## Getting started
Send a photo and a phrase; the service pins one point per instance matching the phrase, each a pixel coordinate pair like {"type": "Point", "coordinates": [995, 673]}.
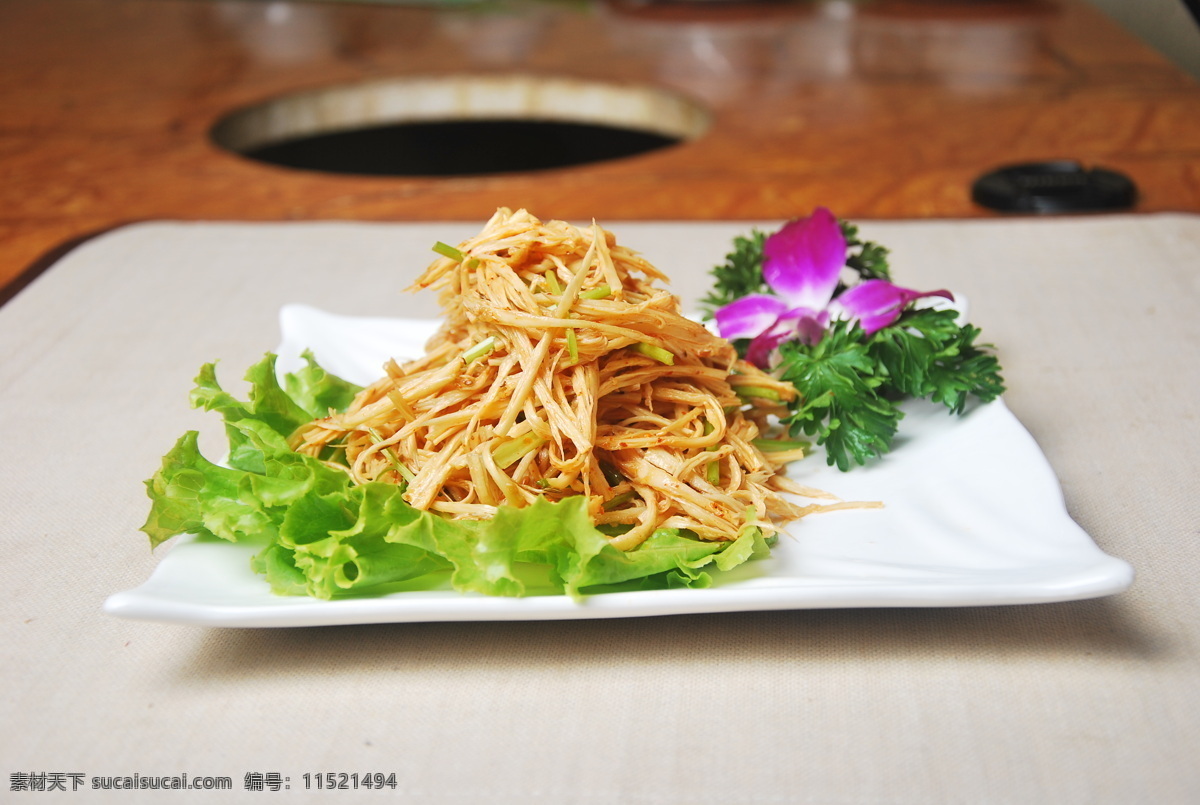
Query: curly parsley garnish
{"type": "Point", "coordinates": [854, 350]}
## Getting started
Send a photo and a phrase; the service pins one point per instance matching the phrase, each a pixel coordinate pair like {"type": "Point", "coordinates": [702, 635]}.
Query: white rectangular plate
{"type": "Point", "coordinates": [973, 515]}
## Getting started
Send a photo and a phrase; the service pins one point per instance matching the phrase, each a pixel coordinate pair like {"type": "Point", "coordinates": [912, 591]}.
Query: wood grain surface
{"type": "Point", "coordinates": [888, 109]}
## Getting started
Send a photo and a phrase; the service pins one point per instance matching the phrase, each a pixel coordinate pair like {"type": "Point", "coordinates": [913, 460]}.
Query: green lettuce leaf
{"type": "Point", "coordinates": [324, 537]}
{"type": "Point", "coordinates": [317, 391]}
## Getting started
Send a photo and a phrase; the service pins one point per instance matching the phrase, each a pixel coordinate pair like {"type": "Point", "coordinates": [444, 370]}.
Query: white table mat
{"type": "Point", "coordinates": [1093, 701]}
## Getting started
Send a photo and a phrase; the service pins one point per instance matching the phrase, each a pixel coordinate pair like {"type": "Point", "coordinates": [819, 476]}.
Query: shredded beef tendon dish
{"type": "Point", "coordinates": [561, 370]}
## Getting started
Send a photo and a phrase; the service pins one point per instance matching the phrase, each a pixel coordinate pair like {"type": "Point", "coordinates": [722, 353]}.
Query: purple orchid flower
{"type": "Point", "coordinates": [802, 263]}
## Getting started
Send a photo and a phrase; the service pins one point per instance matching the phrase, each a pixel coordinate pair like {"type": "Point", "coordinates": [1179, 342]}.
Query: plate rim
{"type": "Point", "coordinates": [1101, 575]}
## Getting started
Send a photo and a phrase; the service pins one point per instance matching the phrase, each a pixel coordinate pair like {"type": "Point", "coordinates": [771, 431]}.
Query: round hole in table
{"type": "Point", "coordinates": [460, 125]}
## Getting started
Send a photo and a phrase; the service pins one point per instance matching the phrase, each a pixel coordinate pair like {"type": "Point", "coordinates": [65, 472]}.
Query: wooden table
{"type": "Point", "coordinates": [878, 110]}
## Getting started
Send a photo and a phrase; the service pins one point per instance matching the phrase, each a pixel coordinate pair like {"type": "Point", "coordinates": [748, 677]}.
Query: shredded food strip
{"type": "Point", "coordinates": [560, 370]}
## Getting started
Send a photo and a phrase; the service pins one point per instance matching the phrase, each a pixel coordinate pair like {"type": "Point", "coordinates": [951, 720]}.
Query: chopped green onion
{"type": "Point", "coordinates": [479, 350]}
{"type": "Point", "coordinates": [611, 474]}
{"type": "Point", "coordinates": [572, 345]}
{"type": "Point", "coordinates": [552, 281]}
{"type": "Point", "coordinates": [393, 459]}
{"type": "Point", "coordinates": [446, 250]}
{"type": "Point", "coordinates": [657, 353]}
{"type": "Point", "coordinates": [511, 451]}
{"type": "Point", "coordinates": [472, 263]}
{"type": "Point", "coordinates": [757, 391]}
{"type": "Point", "coordinates": [599, 292]}
{"type": "Point", "coordinates": [712, 470]}
{"type": "Point", "coordinates": [618, 500]}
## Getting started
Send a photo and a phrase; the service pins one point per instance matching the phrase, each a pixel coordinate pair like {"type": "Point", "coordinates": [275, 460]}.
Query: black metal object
{"type": "Point", "coordinates": [1060, 186]}
{"type": "Point", "coordinates": [1194, 7]}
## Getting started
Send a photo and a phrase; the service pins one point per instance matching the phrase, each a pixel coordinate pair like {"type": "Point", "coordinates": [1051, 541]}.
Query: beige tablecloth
{"type": "Point", "coordinates": [1086, 702]}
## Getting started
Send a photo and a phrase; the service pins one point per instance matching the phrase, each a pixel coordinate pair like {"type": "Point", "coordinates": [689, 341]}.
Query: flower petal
{"type": "Point", "coordinates": [802, 260]}
{"type": "Point", "coordinates": [878, 303]}
{"type": "Point", "coordinates": [805, 326]}
{"type": "Point", "coordinates": [749, 316]}
{"type": "Point", "coordinates": [759, 352]}
{"type": "Point", "coordinates": [810, 328]}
